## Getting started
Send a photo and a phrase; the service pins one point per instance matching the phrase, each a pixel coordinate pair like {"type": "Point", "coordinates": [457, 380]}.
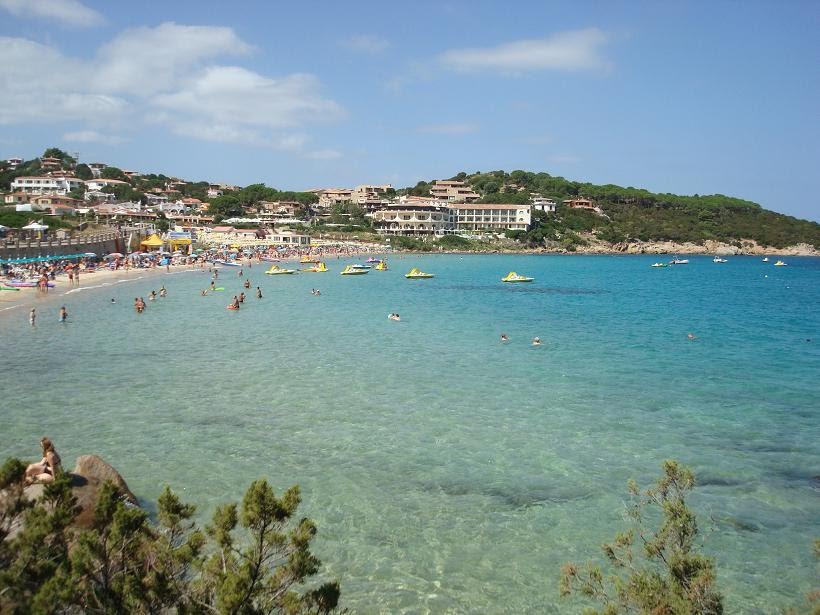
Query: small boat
{"type": "Point", "coordinates": [765, 259]}
{"type": "Point", "coordinates": [679, 261]}
{"type": "Point", "coordinates": [512, 276]}
{"type": "Point", "coordinates": [352, 270]}
{"type": "Point", "coordinates": [373, 259]}
{"type": "Point", "coordinates": [228, 263]}
{"type": "Point", "coordinates": [416, 274]}
{"type": "Point", "coordinates": [318, 268]}
{"type": "Point", "coordinates": [8, 288]}
{"type": "Point", "coordinates": [357, 266]}
{"type": "Point", "coordinates": [381, 266]}
{"type": "Point", "coordinates": [780, 264]}
{"type": "Point", "coordinates": [308, 259]}
{"type": "Point", "coordinates": [659, 265]}
{"type": "Point", "coordinates": [277, 270]}
{"type": "Point", "coordinates": [717, 259]}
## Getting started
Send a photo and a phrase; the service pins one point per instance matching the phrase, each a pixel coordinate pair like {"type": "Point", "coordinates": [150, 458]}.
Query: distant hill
{"type": "Point", "coordinates": [635, 214]}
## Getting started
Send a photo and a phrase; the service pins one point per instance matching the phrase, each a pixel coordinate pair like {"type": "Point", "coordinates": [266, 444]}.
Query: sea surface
{"type": "Point", "coordinates": [447, 471]}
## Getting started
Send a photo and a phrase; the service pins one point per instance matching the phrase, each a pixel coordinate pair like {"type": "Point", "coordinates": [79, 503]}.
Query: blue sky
{"type": "Point", "coordinates": [683, 97]}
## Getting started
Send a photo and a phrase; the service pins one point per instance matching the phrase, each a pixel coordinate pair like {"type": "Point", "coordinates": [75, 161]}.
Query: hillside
{"type": "Point", "coordinates": [634, 214]}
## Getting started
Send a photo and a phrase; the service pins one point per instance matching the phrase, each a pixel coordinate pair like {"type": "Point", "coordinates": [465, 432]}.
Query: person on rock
{"type": "Point", "coordinates": [46, 469]}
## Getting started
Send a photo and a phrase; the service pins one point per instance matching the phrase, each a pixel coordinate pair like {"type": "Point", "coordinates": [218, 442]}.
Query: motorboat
{"type": "Point", "coordinates": [306, 260]}
{"type": "Point", "coordinates": [277, 270]}
{"type": "Point", "coordinates": [358, 266]}
{"type": "Point", "coordinates": [317, 268]}
{"type": "Point", "coordinates": [679, 261]}
{"type": "Point", "coordinates": [227, 263]}
{"type": "Point", "coordinates": [373, 259]}
{"type": "Point", "coordinates": [780, 264]}
{"type": "Point", "coordinates": [381, 266]}
{"type": "Point", "coordinates": [765, 259]}
{"type": "Point", "coordinates": [659, 265]}
{"type": "Point", "coordinates": [717, 259]}
{"type": "Point", "coordinates": [512, 276]}
{"type": "Point", "coordinates": [353, 270]}
{"type": "Point", "coordinates": [416, 274]}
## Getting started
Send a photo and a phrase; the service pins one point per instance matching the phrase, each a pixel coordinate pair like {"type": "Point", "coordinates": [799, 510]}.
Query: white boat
{"type": "Point", "coordinates": [780, 264]}
{"type": "Point", "coordinates": [765, 259]}
{"type": "Point", "coordinates": [717, 259]}
{"type": "Point", "coordinates": [679, 261]}
{"type": "Point", "coordinates": [659, 265]}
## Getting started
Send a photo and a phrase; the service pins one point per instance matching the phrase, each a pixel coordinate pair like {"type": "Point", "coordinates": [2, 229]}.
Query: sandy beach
{"type": "Point", "coordinates": [13, 302]}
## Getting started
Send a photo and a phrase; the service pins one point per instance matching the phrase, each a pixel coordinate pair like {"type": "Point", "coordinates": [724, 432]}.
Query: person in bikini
{"type": "Point", "coordinates": [46, 469]}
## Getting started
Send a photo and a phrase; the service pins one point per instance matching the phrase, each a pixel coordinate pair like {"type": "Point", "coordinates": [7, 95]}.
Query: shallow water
{"type": "Point", "coordinates": [448, 471]}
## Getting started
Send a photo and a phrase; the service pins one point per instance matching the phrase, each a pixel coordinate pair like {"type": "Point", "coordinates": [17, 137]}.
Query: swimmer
{"type": "Point", "coordinates": [204, 292]}
{"type": "Point", "coordinates": [394, 316]}
{"type": "Point", "coordinates": [536, 341]}
{"type": "Point", "coordinates": [213, 286]}
{"type": "Point", "coordinates": [241, 297]}
{"type": "Point", "coordinates": [691, 336]}
{"type": "Point", "coordinates": [32, 316]}
{"type": "Point", "coordinates": [504, 337]}
{"type": "Point", "coordinates": [63, 314]}
{"type": "Point", "coordinates": [152, 296]}
{"type": "Point", "coordinates": [162, 291]}
{"type": "Point", "coordinates": [247, 284]}
{"type": "Point", "coordinates": [113, 300]}
{"type": "Point", "coordinates": [258, 293]}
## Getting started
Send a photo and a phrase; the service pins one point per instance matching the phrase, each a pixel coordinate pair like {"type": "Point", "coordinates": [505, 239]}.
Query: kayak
{"type": "Point", "coordinates": [8, 288]}
{"type": "Point", "coordinates": [26, 284]}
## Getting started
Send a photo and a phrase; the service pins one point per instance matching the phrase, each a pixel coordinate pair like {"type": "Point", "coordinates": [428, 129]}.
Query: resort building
{"type": "Point", "coordinates": [13, 163]}
{"type": "Point", "coordinates": [544, 204]}
{"type": "Point", "coordinates": [414, 218]}
{"type": "Point", "coordinates": [580, 203]}
{"type": "Point", "coordinates": [494, 217]}
{"type": "Point", "coordinates": [332, 196]}
{"type": "Point", "coordinates": [453, 191]}
{"type": "Point", "coordinates": [46, 184]}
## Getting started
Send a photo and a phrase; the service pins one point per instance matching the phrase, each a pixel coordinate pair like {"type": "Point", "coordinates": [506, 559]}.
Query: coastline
{"type": "Point", "coordinates": [12, 302]}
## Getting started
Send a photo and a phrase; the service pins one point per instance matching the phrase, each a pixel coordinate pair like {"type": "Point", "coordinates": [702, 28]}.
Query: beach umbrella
{"type": "Point", "coordinates": [89, 254]}
{"type": "Point", "coordinates": [113, 255]}
{"type": "Point", "coordinates": [34, 226]}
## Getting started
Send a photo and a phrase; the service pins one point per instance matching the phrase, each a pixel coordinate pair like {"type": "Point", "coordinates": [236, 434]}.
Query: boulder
{"type": "Point", "coordinates": [88, 476]}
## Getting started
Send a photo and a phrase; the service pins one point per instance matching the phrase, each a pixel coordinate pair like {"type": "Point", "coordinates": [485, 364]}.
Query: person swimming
{"type": "Point", "coordinates": [536, 341]}
{"type": "Point", "coordinates": [504, 337]}
{"type": "Point", "coordinates": [394, 316]}
{"type": "Point", "coordinates": [258, 293]}
{"type": "Point", "coordinates": [241, 297]}
{"type": "Point", "coordinates": [63, 314]}
{"type": "Point", "coordinates": [162, 291]}
{"type": "Point", "coordinates": [691, 336]}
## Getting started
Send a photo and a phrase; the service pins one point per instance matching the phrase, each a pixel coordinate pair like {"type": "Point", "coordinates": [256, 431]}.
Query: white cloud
{"type": "Point", "coordinates": [68, 12]}
{"type": "Point", "coordinates": [449, 129]}
{"type": "Point", "coordinates": [92, 136]}
{"type": "Point", "coordinates": [369, 43]}
{"type": "Point", "coordinates": [148, 60]}
{"type": "Point", "coordinates": [167, 75]}
{"type": "Point", "coordinates": [229, 101]}
{"type": "Point", "coordinates": [323, 154]}
{"type": "Point", "coordinates": [574, 50]}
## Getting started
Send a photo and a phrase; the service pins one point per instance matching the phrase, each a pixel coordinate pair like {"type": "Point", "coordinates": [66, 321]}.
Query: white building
{"type": "Point", "coordinates": [493, 217]}
{"type": "Point", "coordinates": [542, 203]}
{"type": "Point", "coordinates": [415, 218]}
{"type": "Point", "coordinates": [99, 184]}
{"type": "Point", "coordinates": [46, 185]}
{"type": "Point", "coordinates": [13, 163]}
{"type": "Point", "coordinates": [96, 168]}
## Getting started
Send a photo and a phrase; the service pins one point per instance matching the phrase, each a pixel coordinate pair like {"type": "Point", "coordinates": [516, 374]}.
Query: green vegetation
{"type": "Point", "coordinates": [666, 574]}
{"type": "Point", "coordinates": [235, 204]}
{"type": "Point", "coordinates": [253, 558]}
{"type": "Point", "coordinates": [13, 219]}
{"type": "Point", "coordinates": [634, 214]}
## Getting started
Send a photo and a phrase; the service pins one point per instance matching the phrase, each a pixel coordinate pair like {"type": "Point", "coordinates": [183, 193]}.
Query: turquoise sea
{"type": "Point", "coordinates": [449, 472]}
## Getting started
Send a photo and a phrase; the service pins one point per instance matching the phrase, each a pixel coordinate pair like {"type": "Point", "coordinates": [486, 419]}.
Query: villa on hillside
{"type": "Point", "coordinates": [414, 218]}
{"type": "Point", "coordinates": [453, 191]}
{"type": "Point", "coordinates": [45, 184]}
{"type": "Point", "coordinates": [544, 204]}
{"type": "Point", "coordinates": [580, 203]}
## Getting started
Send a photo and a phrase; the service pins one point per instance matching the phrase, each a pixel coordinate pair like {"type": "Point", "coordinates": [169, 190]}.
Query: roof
{"type": "Point", "coordinates": [152, 240]}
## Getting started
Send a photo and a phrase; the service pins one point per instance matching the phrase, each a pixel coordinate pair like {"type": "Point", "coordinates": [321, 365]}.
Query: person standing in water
{"type": "Point", "coordinates": [258, 293]}
{"type": "Point", "coordinates": [32, 316]}
{"type": "Point", "coordinates": [63, 314]}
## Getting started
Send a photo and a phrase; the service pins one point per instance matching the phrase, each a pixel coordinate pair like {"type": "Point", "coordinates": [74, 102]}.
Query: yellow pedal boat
{"type": "Point", "coordinates": [318, 268]}
{"type": "Point", "coordinates": [351, 270]}
{"type": "Point", "coordinates": [415, 274]}
{"type": "Point", "coordinates": [381, 266]}
{"type": "Point", "coordinates": [277, 270]}
{"type": "Point", "coordinates": [512, 276]}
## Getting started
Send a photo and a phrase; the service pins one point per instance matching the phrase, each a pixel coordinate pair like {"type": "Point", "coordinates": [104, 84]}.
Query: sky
{"type": "Point", "coordinates": [681, 97]}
